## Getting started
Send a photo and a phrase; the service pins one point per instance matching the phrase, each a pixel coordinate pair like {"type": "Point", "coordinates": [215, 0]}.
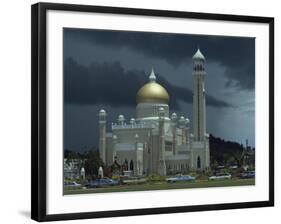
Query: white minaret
{"type": "Point", "coordinates": [136, 165]}
{"type": "Point", "coordinates": [199, 101]}
{"type": "Point", "coordinates": [102, 135]}
{"type": "Point", "coordinates": [161, 161]}
{"type": "Point", "coordinates": [183, 122]}
{"type": "Point", "coordinates": [174, 119]}
{"type": "Point", "coordinates": [114, 141]}
{"type": "Point", "coordinates": [187, 134]}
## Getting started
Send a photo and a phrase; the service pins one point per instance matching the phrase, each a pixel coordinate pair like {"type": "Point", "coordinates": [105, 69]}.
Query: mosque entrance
{"type": "Point", "coordinates": [198, 162]}
{"type": "Point", "coordinates": [131, 165]}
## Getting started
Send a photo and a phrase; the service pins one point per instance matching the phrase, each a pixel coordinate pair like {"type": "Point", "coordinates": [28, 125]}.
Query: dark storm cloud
{"type": "Point", "coordinates": [237, 54]}
{"type": "Point", "coordinates": [108, 83]}
{"type": "Point", "coordinates": [245, 81]}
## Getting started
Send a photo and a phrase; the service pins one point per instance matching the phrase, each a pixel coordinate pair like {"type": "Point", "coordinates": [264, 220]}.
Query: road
{"type": "Point", "coordinates": [163, 186]}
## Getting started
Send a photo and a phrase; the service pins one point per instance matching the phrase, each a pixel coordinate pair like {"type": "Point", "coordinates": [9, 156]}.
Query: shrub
{"type": "Point", "coordinates": [155, 177]}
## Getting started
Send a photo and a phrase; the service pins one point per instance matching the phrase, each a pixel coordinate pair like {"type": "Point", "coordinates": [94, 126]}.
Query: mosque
{"type": "Point", "coordinates": [155, 142]}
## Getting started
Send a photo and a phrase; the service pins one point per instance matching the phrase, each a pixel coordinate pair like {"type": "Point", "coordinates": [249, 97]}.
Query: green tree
{"type": "Point", "coordinates": [231, 161]}
{"type": "Point", "coordinates": [69, 154]}
{"type": "Point", "coordinates": [93, 162]}
{"type": "Point", "coordinates": [239, 157]}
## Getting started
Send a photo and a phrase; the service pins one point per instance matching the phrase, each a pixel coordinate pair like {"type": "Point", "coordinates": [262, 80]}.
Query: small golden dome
{"type": "Point", "coordinates": [152, 92]}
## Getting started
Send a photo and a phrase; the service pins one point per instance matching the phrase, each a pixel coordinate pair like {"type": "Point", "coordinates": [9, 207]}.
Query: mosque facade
{"type": "Point", "coordinates": [155, 142]}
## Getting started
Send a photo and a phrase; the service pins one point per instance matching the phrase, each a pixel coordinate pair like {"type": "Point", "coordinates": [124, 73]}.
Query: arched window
{"type": "Point", "coordinates": [198, 162]}
{"type": "Point", "coordinates": [131, 165]}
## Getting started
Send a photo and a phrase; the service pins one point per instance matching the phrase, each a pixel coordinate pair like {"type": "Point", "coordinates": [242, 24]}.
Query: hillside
{"type": "Point", "coordinates": [228, 153]}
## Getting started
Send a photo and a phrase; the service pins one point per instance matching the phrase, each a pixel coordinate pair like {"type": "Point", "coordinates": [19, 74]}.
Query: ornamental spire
{"type": "Point", "coordinates": [198, 55]}
{"type": "Point", "coordinates": [152, 76]}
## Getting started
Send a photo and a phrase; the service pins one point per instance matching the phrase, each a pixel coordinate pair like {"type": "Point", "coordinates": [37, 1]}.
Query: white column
{"type": "Point", "coordinates": [187, 131]}
{"type": "Point", "coordinates": [182, 126]}
{"type": "Point", "coordinates": [136, 164]}
{"type": "Point", "coordinates": [114, 142]}
{"type": "Point", "coordinates": [102, 135]}
{"type": "Point", "coordinates": [174, 129]}
{"type": "Point", "coordinates": [161, 162]}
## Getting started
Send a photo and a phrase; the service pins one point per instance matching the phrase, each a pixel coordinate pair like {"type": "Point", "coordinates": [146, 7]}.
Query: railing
{"type": "Point", "coordinates": [133, 126]}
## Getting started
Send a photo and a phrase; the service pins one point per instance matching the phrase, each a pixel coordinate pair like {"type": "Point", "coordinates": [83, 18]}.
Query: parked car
{"type": "Point", "coordinates": [103, 182]}
{"type": "Point", "coordinates": [180, 178]}
{"type": "Point", "coordinates": [126, 174]}
{"type": "Point", "coordinates": [134, 180]}
{"type": "Point", "coordinates": [220, 176]}
{"type": "Point", "coordinates": [71, 184]}
{"type": "Point", "coordinates": [247, 174]}
{"type": "Point", "coordinates": [233, 167]}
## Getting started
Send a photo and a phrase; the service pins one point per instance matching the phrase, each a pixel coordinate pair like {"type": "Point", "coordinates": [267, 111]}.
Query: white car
{"type": "Point", "coordinates": [220, 176]}
{"type": "Point", "coordinates": [127, 173]}
{"type": "Point", "coordinates": [71, 184]}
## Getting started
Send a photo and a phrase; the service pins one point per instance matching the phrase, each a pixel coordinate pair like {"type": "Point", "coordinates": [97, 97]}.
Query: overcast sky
{"type": "Point", "coordinates": [105, 69]}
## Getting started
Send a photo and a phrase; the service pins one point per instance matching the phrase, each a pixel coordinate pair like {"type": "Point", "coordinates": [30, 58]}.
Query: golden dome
{"type": "Point", "coordinates": [152, 92]}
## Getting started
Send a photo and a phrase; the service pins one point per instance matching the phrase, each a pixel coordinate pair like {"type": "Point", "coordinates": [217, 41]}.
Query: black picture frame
{"type": "Point", "coordinates": [39, 122]}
